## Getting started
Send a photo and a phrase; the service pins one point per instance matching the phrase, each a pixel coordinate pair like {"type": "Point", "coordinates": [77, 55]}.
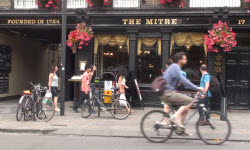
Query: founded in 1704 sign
{"type": "Point", "coordinates": [33, 21]}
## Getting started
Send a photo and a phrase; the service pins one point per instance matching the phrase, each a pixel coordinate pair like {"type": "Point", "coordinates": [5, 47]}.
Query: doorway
{"type": "Point", "coordinates": [237, 79]}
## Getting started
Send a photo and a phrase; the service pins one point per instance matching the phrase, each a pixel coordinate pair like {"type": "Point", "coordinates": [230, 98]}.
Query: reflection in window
{"type": "Point", "coordinates": [196, 56]}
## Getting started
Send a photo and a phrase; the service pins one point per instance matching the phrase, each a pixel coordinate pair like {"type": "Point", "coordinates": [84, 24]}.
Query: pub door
{"type": "Point", "coordinates": [237, 79]}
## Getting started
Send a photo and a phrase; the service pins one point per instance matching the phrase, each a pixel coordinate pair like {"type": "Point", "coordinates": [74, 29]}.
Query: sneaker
{"type": "Point", "coordinates": [180, 130]}
{"type": "Point", "coordinates": [75, 110]}
{"type": "Point", "coordinates": [104, 109]}
{"type": "Point", "coordinates": [57, 109]}
{"type": "Point", "coordinates": [174, 120]}
{"type": "Point", "coordinates": [187, 134]}
{"type": "Point", "coordinates": [162, 123]}
{"type": "Point", "coordinates": [204, 122]}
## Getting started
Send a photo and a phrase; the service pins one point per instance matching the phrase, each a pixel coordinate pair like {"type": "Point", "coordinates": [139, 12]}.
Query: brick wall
{"type": "Point", "coordinates": [5, 4]}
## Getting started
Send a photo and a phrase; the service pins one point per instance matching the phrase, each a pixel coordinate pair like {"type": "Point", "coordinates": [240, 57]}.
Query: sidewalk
{"type": "Point", "coordinates": [73, 124]}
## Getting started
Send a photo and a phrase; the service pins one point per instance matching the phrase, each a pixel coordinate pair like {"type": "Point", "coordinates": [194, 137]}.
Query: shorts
{"type": "Point", "coordinates": [173, 99]}
{"type": "Point", "coordinates": [54, 91]}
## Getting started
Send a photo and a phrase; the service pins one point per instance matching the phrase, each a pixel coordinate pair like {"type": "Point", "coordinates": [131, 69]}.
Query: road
{"type": "Point", "coordinates": [13, 141]}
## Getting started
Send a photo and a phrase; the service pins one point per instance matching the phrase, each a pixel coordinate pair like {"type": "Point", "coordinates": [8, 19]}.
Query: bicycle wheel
{"type": "Point", "coordinates": [120, 109]}
{"type": "Point", "coordinates": [87, 108]}
{"type": "Point", "coordinates": [19, 112]}
{"type": "Point", "coordinates": [44, 109]}
{"type": "Point", "coordinates": [153, 130]}
{"type": "Point", "coordinates": [215, 130]}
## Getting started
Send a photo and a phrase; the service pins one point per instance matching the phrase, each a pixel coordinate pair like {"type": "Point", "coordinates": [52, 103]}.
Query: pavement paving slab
{"type": "Point", "coordinates": [73, 124]}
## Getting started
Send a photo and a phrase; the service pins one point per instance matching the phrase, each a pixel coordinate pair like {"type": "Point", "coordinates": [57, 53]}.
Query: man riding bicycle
{"type": "Point", "coordinates": [170, 97]}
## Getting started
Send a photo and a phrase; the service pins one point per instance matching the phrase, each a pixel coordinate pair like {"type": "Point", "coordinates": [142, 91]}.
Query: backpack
{"type": "Point", "coordinates": [159, 85]}
{"type": "Point", "coordinates": [214, 86]}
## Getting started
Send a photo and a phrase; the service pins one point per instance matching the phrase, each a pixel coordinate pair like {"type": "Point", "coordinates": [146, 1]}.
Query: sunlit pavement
{"type": "Point", "coordinates": [73, 124]}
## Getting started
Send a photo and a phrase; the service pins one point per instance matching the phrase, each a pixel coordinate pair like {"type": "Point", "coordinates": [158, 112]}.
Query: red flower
{"type": "Point", "coordinates": [220, 35]}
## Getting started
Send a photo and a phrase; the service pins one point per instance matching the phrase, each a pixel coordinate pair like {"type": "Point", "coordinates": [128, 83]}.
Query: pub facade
{"type": "Point", "coordinates": [141, 35]}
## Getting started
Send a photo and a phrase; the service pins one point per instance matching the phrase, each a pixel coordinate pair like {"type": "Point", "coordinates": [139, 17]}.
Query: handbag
{"type": "Point", "coordinates": [48, 94]}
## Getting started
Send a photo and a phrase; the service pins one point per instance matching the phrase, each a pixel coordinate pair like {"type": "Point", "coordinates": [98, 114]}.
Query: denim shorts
{"type": "Point", "coordinates": [54, 91]}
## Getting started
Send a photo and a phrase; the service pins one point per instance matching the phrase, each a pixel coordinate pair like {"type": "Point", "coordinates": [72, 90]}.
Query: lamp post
{"type": "Point", "coordinates": [63, 57]}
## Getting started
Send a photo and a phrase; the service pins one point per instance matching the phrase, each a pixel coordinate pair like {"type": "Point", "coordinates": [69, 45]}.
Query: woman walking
{"type": "Point", "coordinates": [122, 73]}
{"type": "Point", "coordinates": [53, 85]}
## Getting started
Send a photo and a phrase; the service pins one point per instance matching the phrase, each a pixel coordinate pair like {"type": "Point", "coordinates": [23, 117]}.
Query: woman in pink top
{"type": "Point", "coordinates": [85, 88]}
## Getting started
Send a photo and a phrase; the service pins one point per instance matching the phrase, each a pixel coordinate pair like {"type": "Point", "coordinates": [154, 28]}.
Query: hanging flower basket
{"type": "Point", "coordinates": [220, 38]}
{"type": "Point", "coordinates": [173, 3]}
{"type": "Point", "coordinates": [247, 3]}
{"type": "Point", "coordinates": [49, 4]}
{"type": "Point", "coordinates": [79, 37]}
{"type": "Point", "coordinates": [99, 3]}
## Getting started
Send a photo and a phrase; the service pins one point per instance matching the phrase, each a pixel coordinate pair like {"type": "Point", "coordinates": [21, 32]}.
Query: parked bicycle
{"type": "Point", "coordinates": [32, 105]}
{"type": "Point", "coordinates": [119, 108]}
{"type": "Point", "coordinates": [215, 132]}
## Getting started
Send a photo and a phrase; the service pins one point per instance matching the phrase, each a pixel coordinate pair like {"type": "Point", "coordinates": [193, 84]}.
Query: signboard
{"type": "Point", "coordinates": [4, 83]}
{"type": "Point", "coordinates": [151, 21]}
{"type": "Point", "coordinates": [5, 59]}
{"type": "Point", "coordinates": [29, 21]}
{"type": "Point", "coordinates": [138, 90]}
{"type": "Point", "coordinates": [107, 91]}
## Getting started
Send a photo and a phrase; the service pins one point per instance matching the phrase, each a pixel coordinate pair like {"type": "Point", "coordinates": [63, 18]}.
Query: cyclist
{"type": "Point", "coordinates": [173, 76]}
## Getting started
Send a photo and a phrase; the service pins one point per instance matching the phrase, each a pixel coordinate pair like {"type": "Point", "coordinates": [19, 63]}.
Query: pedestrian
{"type": "Point", "coordinates": [54, 85]}
{"type": "Point", "coordinates": [122, 73]}
{"type": "Point", "coordinates": [85, 88]}
{"type": "Point", "coordinates": [206, 94]}
{"type": "Point", "coordinates": [92, 78]}
{"type": "Point", "coordinates": [166, 107]}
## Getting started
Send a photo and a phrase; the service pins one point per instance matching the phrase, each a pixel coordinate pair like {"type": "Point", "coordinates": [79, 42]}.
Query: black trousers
{"type": "Point", "coordinates": [82, 99]}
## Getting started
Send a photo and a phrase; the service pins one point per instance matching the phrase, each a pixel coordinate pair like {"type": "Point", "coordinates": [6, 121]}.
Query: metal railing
{"type": "Point", "coordinates": [73, 4]}
{"type": "Point", "coordinates": [215, 3]}
{"type": "Point", "coordinates": [31, 4]}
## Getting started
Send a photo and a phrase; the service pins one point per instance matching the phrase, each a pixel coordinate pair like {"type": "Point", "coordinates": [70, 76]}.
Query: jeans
{"type": "Point", "coordinates": [82, 99]}
{"type": "Point", "coordinates": [206, 103]}
{"type": "Point", "coordinates": [92, 86]}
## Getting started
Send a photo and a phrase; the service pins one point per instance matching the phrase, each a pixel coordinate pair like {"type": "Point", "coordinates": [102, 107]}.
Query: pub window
{"type": "Point", "coordinates": [77, 4]}
{"type": "Point", "coordinates": [215, 3]}
{"type": "Point", "coordinates": [126, 3]}
{"type": "Point", "coordinates": [111, 51]}
{"type": "Point", "coordinates": [149, 61]}
{"type": "Point", "coordinates": [192, 44]}
{"type": "Point", "coordinates": [25, 4]}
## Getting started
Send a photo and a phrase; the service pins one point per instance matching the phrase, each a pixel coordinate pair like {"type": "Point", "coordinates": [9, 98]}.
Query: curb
{"type": "Point", "coordinates": [50, 132]}
{"type": "Point", "coordinates": [43, 131]}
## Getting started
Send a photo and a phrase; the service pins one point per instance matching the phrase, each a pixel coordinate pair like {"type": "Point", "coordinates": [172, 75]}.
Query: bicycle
{"type": "Point", "coordinates": [215, 132]}
{"type": "Point", "coordinates": [119, 109]}
{"type": "Point", "coordinates": [33, 105]}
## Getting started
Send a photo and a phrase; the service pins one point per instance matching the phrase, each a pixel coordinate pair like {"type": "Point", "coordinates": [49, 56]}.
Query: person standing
{"type": "Point", "coordinates": [205, 83]}
{"type": "Point", "coordinates": [85, 88]}
{"type": "Point", "coordinates": [92, 78]}
{"type": "Point", "coordinates": [53, 85]}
